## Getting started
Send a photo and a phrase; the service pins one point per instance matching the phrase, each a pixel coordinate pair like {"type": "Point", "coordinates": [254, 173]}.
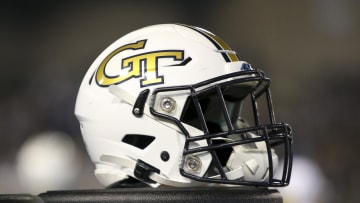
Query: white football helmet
{"type": "Point", "coordinates": [172, 104]}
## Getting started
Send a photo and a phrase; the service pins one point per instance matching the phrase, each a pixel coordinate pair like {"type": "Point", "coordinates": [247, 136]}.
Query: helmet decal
{"type": "Point", "coordinates": [228, 54]}
{"type": "Point", "coordinates": [133, 66]}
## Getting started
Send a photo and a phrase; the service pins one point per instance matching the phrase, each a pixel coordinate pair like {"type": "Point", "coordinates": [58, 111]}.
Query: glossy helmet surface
{"type": "Point", "coordinates": [172, 104]}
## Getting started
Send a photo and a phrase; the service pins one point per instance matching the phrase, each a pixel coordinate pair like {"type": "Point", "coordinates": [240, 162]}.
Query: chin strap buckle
{"type": "Point", "coordinates": [143, 170]}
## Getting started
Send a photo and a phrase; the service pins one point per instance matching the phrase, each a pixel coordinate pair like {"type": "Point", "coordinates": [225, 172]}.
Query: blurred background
{"type": "Point", "coordinates": [310, 49]}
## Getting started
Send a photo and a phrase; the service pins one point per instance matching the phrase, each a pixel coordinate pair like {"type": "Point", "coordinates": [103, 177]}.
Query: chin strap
{"type": "Point", "coordinates": [158, 178]}
{"type": "Point", "coordinates": [161, 179]}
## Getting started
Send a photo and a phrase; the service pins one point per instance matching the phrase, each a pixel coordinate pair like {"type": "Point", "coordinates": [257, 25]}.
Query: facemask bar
{"type": "Point", "coordinates": [271, 134]}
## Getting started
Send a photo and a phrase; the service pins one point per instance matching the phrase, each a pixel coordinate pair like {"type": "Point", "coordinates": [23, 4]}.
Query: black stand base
{"type": "Point", "coordinates": [151, 195]}
{"type": "Point", "coordinates": [162, 195]}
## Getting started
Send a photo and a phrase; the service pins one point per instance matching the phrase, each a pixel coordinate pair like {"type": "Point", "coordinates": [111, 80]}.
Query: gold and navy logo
{"type": "Point", "coordinates": [145, 63]}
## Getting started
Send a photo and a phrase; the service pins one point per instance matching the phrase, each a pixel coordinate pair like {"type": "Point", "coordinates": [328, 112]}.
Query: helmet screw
{"type": "Point", "coordinates": [193, 163]}
{"type": "Point", "coordinates": [168, 104]}
{"type": "Point", "coordinates": [165, 156]}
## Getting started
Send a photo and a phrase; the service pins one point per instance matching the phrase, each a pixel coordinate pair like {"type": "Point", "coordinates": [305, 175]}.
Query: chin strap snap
{"type": "Point", "coordinates": [138, 109]}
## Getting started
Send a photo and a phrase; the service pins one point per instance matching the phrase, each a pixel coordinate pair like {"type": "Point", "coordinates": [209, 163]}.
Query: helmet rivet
{"type": "Point", "coordinates": [193, 163]}
{"type": "Point", "coordinates": [136, 111]}
{"type": "Point", "coordinates": [165, 156]}
{"type": "Point", "coordinates": [167, 104]}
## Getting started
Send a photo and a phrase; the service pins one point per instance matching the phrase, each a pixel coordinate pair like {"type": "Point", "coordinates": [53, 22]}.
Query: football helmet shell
{"type": "Point", "coordinates": [164, 104]}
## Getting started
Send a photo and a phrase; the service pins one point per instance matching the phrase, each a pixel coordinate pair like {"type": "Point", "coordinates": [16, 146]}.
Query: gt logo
{"type": "Point", "coordinates": [135, 66]}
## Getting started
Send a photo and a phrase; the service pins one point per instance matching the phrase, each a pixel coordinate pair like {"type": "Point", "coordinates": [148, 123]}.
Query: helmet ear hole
{"type": "Point", "coordinates": [139, 141]}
